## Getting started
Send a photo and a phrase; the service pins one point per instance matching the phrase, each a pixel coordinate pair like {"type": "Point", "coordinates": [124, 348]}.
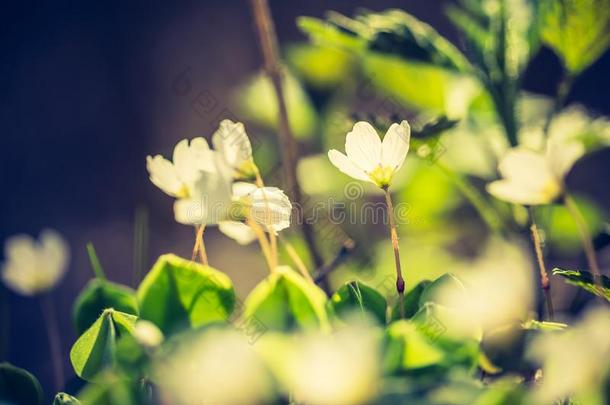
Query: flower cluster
{"type": "Point", "coordinates": [204, 183]}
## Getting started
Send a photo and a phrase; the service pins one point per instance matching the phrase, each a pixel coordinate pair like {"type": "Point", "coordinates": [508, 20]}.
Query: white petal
{"type": "Point", "coordinates": [271, 208]}
{"type": "Point", "coordinates": [363, 146]}
{"type": "Point", "coordinates": [343, 163]}
{"type": "Point", "coordinates": [232, 142]}
{"type": "Point", "coordinates": [513, 192]}
{"type": "Point", "coordinates": [238, 231]}
{"type": "Point", "coordinates": [242, 189]}
{"type": "Point", "coordinates": [527, 168]}
{"type": "Point", "coordinates": [395, 145]}
{"type": "Point", "coordinates": [210, 201]}
{"type": "Point", "coordinates": [163, 174]}
{"type": "Point", "coordinates": [562, 155]}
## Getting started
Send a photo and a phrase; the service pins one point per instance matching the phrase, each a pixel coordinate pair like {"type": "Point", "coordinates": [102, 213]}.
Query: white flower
{"type": "Point", "coordinates": [177, 179]}
{"type": "Point", "coordinates": [232, 142]}
{"type": "Point", "coordinates": [209, 198]}
{"type": "Point", "coordinates": [267, 206]}
{"type": "Point", "coordinates": [532, 178]}
{"type": "Point", "coordinates": [342, 368]}
{"type": "Point", "coordinates": [220, 367]}
{"type": "Point", "coordinates": [369, 159]}
{"type": "Point", "coordinates": [579, 350]}
{"type": "Point", "coordinates": [31, 266]}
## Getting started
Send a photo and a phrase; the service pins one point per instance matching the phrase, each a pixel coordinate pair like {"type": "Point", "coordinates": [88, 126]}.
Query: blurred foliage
{"type": "Point", "coordinates": [577, 30]}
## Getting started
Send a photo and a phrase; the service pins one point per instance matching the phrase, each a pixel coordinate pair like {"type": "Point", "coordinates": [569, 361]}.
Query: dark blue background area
{"type": "Point", "coordinates": [83, 101]}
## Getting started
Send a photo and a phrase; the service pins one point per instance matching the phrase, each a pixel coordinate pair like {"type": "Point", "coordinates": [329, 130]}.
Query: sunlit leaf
{"type": "Point", "coordinates": [577, 30]}
{"type": "Point", "coordinates": [322, 67]}
{"type": "Point", "coordinates": [18, 386]}
{"type": "Point", "coordinates": [586, 281]}
{"type": "Point", "coordinates": [285, 300]}
{"type": "Point", "coordinates": [65, 399]}
{"type": "Point", "coordinates": [95, 349]}
{"type": "Point", "coordinates": [178, 294]}
{"type": "Point", "coordinates": [98, 295]}
{"type": "Point", "coordinates": [109, 389]}
{"type": "Point", "coordinates": [446, 281]}
{"type": "Point", "coordinates": [358, 297]}
{"type": "Point", "coordinates": [407, 348]}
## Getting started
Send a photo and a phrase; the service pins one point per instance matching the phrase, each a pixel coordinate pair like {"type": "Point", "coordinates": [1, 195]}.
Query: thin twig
{"type": "Point", "coordinates": [199, 246]}
{"type": "Point", "coordinates": [268, 43]}
{"type": "Point", "coordinates": [585, 237]}
{"type": "Point", "coordinates": [400, 282]}
{"type": "Point", "coordinates": [49, 315]}
{"type": "Point", "coordinates": [263, 242]}
{"type": "Point", "coordinates": [296, 259]}
{"type": "Point", "coordinates": [346, 248]}
{"type": "Point", "coordinates": [545, 284]}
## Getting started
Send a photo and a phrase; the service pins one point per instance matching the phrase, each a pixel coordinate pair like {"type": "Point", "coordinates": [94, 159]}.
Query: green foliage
{"type": "Point", "coordinates": [285, 300]}
{"type": "Point", "coordinates": [65, 399]}
{"type": "Point", "coordinates": [178, 294]}
{"type": "Point", "coordinates": [99, 295]}
{"type": "Point", "coordinates": [18, 386]}
{"type": "Point", "coordinates": [577, 30]}
{"type": "Point", "coordinates": [110, 389]}
{"type": "Point", "coordinates": [358, 297]}
{"type": "Point", "coordinates": [95, 350]}
{"type": "Point", "coordinates": [586, 281]}
{"type": "Point", "coordinates": [257, 101]}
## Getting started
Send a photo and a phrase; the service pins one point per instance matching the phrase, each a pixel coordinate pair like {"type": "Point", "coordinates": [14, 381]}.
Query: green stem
{"type": "Point", "coordinates": [545, 284]}
{"type": "Point", "coordinates": [400, 282]}
{"type": "Point", "coordinates": [585, 237]}
{"type": "Point", "coordinates": [485, 211]}
{"type": "Point", "coordinates": [95, 263]}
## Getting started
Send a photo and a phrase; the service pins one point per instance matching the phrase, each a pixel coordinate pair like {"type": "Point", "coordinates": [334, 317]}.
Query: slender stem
{"type": "Point", "coordinates": [585, 237]}
{"type": "Point", "coordinates": [563, 90]}
{"type": "Point", "coordinates": [273, 240]}
{"type": "Point", "coordinates": [199, 246]}
{"type": "Point", "coordinates": [95, 262]}
{"type": "Point", "coordinates": [545, 284]}
{"type": "Point", "coordinates": [263, 242]}
{"type": "Point", "coordinates": [298, 262]}
{"type": "Point", "coordinates": [347, 247]}
{"type": "Point", "coordinates": [49, 315]}
{"type": "Point", "coordinates": [140, 243]}
{"type": "Point", "coordinates": [268, 43]}
{"type": "Point", "coordinates": [400, 282]}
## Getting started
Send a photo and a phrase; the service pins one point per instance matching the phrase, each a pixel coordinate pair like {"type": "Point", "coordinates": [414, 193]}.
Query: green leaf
{"type": "Point", "coordinates": [110, 389]}
{"type": "Point", "coordinates": [285, 300]}
{"type": "Point", "coordinates": [585, 280]}
{"type": "Point", "coordinates": [411, 301]}
{"type": "Point", "coordinates": [257, 100]}
{"type": "Point", "coordinates": [577, 30]}
{"type": "Point", "coordinates": [99, 295]}
{"type": "Point", "coordinates": [65, 399]}
{"type": "Point", "coordinates": [178, 294]}
{"type": "Point", "coordinates": [408, 348]}
{"type": "Point", "coordinates": [445, 282]}
{"type": "Point", "coordinates": [18, 386]}
{"type": "Point", "coordinates": [95, 349]}
{"type": "Point", "coordinates": [358, 297]}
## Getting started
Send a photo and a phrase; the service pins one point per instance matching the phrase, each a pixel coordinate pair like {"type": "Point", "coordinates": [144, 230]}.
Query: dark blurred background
{"type": "Point", "coordinates": [86, 94]}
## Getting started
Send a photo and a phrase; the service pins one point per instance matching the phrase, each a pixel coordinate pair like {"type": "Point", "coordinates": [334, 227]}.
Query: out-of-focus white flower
{"type": "Point", "coordinates": [342, 368]}
{"type": "Point", "coordinates": [532, 178]}
{"type": "Point", "coordinates": [370, 159]}
{"type": "Point", "coordinates": [148, 334]}
{"type": "Point", "coordinates": [237, 231]}
{"type": "Point", "coordinates": [32, 266]}
{"type": "Point", "coordinates": [219, 367]}
{"type": "Point", "coordinates": [178, 178]}
{"type": "Point", "coordinates": [497, 289]}
{"type": "Point", "coordinates": [232, 142]}
{"type": "Point", "coordinates": [574, 361]}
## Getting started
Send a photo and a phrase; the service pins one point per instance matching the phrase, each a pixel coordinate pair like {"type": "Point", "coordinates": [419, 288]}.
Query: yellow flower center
{"type": "Point", "coordinates": [382, 175]}
{"type": "Point", "coordinates": [183, 192]}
